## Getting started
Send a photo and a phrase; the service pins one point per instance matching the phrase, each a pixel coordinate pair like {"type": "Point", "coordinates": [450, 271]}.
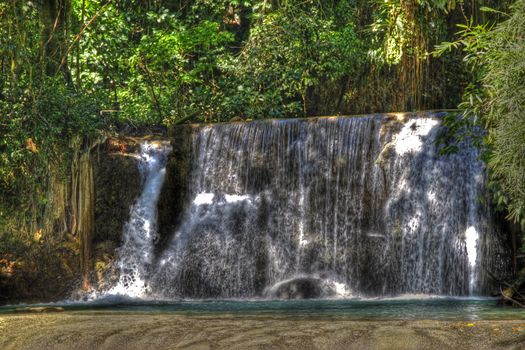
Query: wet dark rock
{"type": "Point", "coordinates": [174, 195]}
{"type": "Point", "coordinates": [117, 185]}
{"type": "Point", "coordinates": [298, 288]}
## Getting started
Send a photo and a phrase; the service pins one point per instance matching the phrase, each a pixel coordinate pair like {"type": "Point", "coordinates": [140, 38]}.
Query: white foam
{"type": "Point", "coordinates": [471, 237]}
{"type": "Point", "coordinates": [232, 198]}
{"type": "Point", "coordinates": [341, 290]}
{"type": "Point", "coordinates": [139, 233]}
{"type": "Point", "coordinates": [203, 198]}
{"type": "Point", "coordinates": [409, 139]}
{"type": "Point", "coordinates": [302, 240]}
{"type": "Point", "coordinates": [471, 240]}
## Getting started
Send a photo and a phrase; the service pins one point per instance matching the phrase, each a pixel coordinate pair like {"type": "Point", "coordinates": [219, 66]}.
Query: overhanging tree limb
{"type": "Point", "coordinates": [79, 35]}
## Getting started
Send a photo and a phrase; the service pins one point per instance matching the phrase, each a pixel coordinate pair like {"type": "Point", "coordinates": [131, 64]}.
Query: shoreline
{"type": "Point", "coordinates": [131, 330]}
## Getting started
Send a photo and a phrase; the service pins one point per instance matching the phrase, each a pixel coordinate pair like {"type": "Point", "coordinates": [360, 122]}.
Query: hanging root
{"type": "Point", "coordinates": [511, 293]}
{"type": "Point", "coordinates": [510, 298]}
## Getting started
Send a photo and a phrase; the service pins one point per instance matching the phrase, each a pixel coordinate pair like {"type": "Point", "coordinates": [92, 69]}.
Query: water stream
{"type": "Point", "coordinates": [136, 253]}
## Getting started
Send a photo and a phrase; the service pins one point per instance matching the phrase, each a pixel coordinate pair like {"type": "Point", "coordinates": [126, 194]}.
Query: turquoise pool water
{"type": "Point", "coordinates": [356, 309]}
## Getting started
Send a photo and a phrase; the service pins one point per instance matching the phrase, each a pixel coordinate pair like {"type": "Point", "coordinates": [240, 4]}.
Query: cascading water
{"type": "Point", "coordinates": [136, 253]}
{"type": "Point", "coordinates": [323, 207]}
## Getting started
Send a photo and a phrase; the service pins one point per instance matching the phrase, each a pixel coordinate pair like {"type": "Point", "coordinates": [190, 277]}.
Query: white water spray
{"type": "Point", "coordinates": [135, 255]}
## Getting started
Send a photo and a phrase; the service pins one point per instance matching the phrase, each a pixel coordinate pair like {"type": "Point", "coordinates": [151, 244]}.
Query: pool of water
{"type": "Point", "coordinates": [355, 309]}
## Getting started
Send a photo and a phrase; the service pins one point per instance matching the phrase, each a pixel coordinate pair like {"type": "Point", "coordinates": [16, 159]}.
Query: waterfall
{"type": "Point", "coordinates": [136, 253]}
{"type": "Point", "coordinates": [348, 206]}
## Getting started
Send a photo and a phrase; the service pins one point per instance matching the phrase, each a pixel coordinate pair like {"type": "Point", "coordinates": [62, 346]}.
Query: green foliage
{"type": "Point", "coordinates": [98, 63]}
{"type": "Point", "coordinates": [474, 40]}
{"type": "Point", "coordinates": [36, 129]}
{"type": "Point", "coordinates": [389, 33]}
{"type": "Point", "coordinates": [173, 72]}
{"type": "Point", "coordinates": [201, 60]}
{"type": "Point", "coordinates": [289, 51]}
{"type": "Point", "coordinates": [70, 69]}
{"type": "Point", "coordinates": [403, 27]}
{"type": "Point", "coordinates": [495, 98]}
{"type": "Point", "coordinates": [39, 114]}
{"type": "Point", "coordinates": [505, 109]}
{"type": "Point", "coordinates": [187, 64]}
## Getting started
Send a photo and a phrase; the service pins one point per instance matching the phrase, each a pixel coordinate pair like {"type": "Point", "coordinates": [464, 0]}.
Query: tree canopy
{"type": "Point", "coordinates": [73, 69]}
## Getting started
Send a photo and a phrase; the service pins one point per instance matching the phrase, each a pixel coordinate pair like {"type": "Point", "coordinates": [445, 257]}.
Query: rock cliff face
{"type": "Point", "coordinates": [297, 208]}
{"type": "Point", "coordinates": [174, 195]}
{"type": "Point", "coordinates": [117, 184]}
{"type": "Point", "coordinates": [368, 204]}
{"type": "Point", "coordinates": [75, 244]}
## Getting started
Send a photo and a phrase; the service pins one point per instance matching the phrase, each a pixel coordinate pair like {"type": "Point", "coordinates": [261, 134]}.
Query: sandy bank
{"type": "Point", "coordinates": [106, 330]}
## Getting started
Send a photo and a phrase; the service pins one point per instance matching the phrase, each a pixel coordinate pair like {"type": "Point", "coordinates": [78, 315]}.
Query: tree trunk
{"type": "Point", "coordinates": [54, 17]}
